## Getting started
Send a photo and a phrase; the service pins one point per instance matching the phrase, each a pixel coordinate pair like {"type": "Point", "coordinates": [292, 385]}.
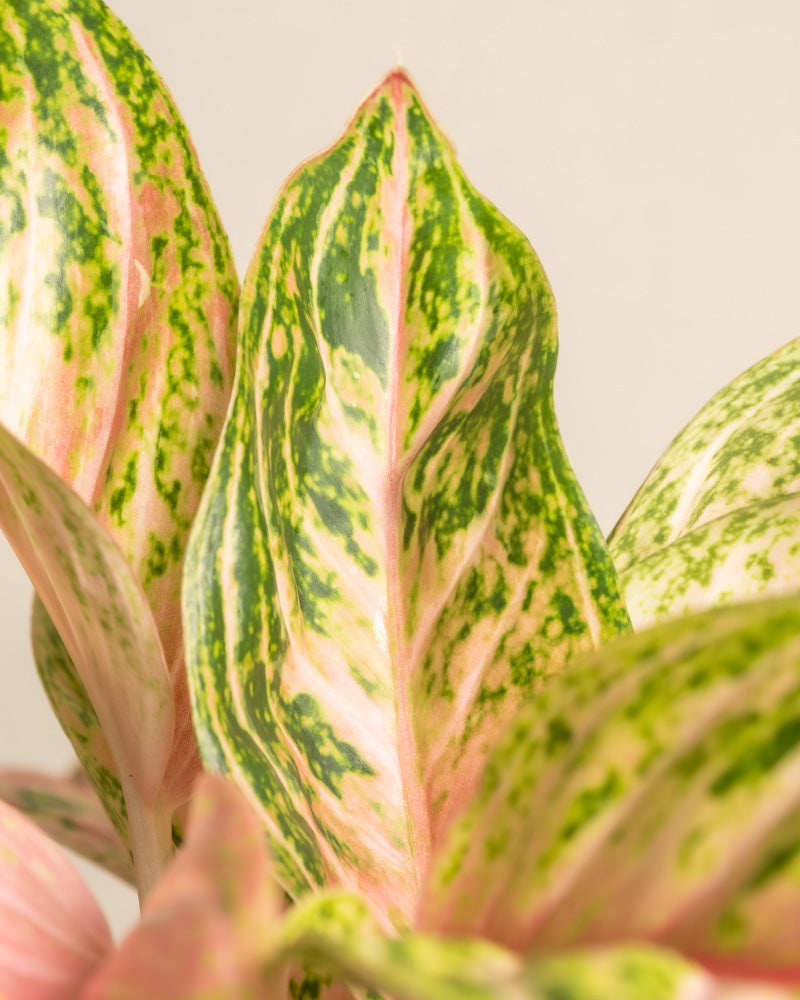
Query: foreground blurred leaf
{"type": "Point", "coordinates": [214, 929]}
{"type": "Point", "coordinates": [652, 792]}
{"type": "Point", "coordinates": [207, 928]}
{"type": "Point", "coordinates": [52, 933]}
{"type": "Point", "coordinates": [718, 518]}
{"type": "Point", "coordinates": [393, 552]}
{"type": "Point", "coordinates": [118, 299]}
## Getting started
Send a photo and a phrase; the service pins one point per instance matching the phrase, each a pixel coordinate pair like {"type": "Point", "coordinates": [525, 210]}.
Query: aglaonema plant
{"type": "Point", "coordinates": [440, 767]}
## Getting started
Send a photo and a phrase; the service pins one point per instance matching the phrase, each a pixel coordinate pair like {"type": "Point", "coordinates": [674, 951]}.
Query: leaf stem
{"type": "Point", "coordinates": [150, 832]}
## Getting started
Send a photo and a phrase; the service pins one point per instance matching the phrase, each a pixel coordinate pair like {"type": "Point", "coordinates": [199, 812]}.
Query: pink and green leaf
{"type": "Point", "coordinates": [100, 610]}
{"type": "Point", "coordinates": [716, 519]}
{"type": "Point", "coordinates": [651, 793]}
{"type": "Point", "coordinates": [69, 811]}
{"type": "Point", "coordinates": [744, 554]}
{"type": "Point", "coordinates": [73, 708]}
{"type": "Point", "coordinates": [393, 552]}
{"type": "Point", "coordinates": [118, 295]}
{"type": "Point", "coordinates": [52, 933]}
{"type": "Point", "coordinates": [215, 928]}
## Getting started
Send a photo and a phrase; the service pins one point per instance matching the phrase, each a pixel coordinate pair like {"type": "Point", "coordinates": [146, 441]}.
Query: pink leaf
{"type": "Point", "coordinates": [52, 933]}
{"type": "Point", "coordinates": [207, 926]}
{"type": "Point", "coordinates": [99, 609]}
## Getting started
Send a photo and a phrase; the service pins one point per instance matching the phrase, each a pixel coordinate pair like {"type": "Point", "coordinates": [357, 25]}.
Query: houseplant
{"type": "Point", "coordinates": [391, 589]}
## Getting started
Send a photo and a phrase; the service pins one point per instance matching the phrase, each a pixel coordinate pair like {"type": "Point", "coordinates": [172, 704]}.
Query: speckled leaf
{"type": "Point", "coordinates": [72, 705]}
{"type": "Point", "coordinates": [214, 929]}
{"type": "Point", "coordinates": [652, 792]}
{"type": "Point", "coordinates": [337, 934]}
{"type": "Point", "coordinates": [726, 471]}
{"type": "Point", "coordinates": [637, 973]}
{"type": "Point", "coordinates": [393, 552]}
{"type": "Point", "coordinates": [99, 608]}
{"type": "Point", "coordinates": [750, 552]}
{"type": "Point", "coordinates": [69, 811]}
{"type": "Point", "coordinates": [52, 933]}
{"type": "Point", "coordinates": [118, 294]}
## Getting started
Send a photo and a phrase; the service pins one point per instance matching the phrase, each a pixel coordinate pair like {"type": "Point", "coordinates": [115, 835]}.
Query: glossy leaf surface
{"type": "Point", "coordinates": [118, 296]}
{"type": "Point", "coordinates": [68, 810]}
{"type": "Point", "coordinates": [52, 933]}
{"type": "Point", "coordinates": [393, 552]}
{"type": "Point", "coordinates": [652, 792]}
{"type": "Point", "coordinates": [717, 518]}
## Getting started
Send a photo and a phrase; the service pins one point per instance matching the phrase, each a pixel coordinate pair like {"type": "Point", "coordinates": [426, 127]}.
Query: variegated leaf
{"type": "Point", "coordinates": [652, 792]}
{"type": "Point", "coordinates": [393, 552]}
{"type": "Point", "coordinates": [118, 294]}
{"type": "Point", "coordinates": [72, 705]}
{"type": "Point", "coordinates": [69, 811]}
{"type": "Point", "coordinates": [716, 519]}
{"type": "Point", "coordinates": [52, 933]}
{"type": "Point", "coordinates": [99, 608]}
{"type": "Point", "coordinates": [637, 973]}
{"type": "Point", "coordinates": [213, 929]}
{"type": "Point", "coordinates": [749, 552]}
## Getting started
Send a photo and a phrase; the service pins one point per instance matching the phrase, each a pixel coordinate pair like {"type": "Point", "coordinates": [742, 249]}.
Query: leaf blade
{"type": "Point", "coordinates": [118, 296]}
{"type": "Point", "coordinates": [99, 608]}
{"type": "Point", "coordinates": [742, 555]}
{"type": "Point", "coordinates": [578, 805]}
{"type": "Point", "coordinates": [721, 477]}
{"type": "Point", "coordinates": [52, 933]}
{"type": "Point", "coordinates": [390, 474]}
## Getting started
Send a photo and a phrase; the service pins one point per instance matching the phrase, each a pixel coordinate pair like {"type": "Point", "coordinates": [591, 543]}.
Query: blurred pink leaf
{"type": "Point", "coordinates": [99, 608]}
{"type": "Point", "coordinates": [118, 304]}
{"type": "Point", "coordinates": [52, 933]}
{"type": "Point", "coordinates": [206, 928]}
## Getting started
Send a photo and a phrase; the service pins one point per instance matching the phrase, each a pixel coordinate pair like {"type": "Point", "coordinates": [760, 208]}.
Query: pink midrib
{"type": "Point", "coordinates": [418, 824]}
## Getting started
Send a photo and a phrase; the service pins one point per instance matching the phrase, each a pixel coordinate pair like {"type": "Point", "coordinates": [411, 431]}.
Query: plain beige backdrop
{"type": "Point", "coordinates": [649, 150]}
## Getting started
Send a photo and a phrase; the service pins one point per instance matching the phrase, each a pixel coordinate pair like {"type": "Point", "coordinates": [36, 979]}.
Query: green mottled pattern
{"type": "Point", "coordinates": [69, 700]}
{"type": "Point", "coordinates": [118, 294]}
{"type": "Point", "coordinates": [221, 919]}
{"type": "Point", "coordinates": [637, 973]}
{"type": "Point", "coordinates": [99, 610]}
{"type": "Point", "coordinates": [336, 933]}
{"type": "Point", "coordinates": [70, 812]}
{"type": "Point", "coordinates": [743, 447]}
{"type": "Point", "coordinates": [651, 793]}
{"type": "Point", "coordinates": [393, 552]}
{"type": "Point", "coordinates": [750, 552]}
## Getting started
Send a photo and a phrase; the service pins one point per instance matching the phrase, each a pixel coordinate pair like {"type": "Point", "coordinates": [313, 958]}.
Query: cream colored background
{"type": "Point", "coordinates": [650, 151]}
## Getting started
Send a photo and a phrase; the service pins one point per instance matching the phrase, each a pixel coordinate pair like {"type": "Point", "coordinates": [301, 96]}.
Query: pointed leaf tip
{"type": "Point", "coordinates": [393, 552]}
